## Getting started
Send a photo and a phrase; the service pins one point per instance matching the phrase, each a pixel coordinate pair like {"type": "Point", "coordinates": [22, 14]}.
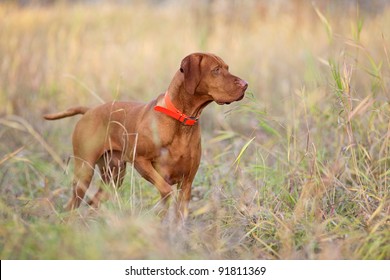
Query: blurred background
{"type": "Point", "coordinates": [54, 52]}
{"type": "Point", "coordinates": [298, 169]}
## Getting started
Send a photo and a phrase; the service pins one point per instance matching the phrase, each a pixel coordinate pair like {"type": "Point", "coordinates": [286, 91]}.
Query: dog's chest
{"type": "Point", "coordinates": [176, 163]}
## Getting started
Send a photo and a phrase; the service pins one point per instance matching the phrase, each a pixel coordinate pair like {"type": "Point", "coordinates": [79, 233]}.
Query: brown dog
{"type": "Point", "coordinates": [161, 138]}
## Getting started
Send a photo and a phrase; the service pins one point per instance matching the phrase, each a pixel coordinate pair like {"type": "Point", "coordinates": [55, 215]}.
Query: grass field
{"type": "Point", "coordinates": [299, 169]}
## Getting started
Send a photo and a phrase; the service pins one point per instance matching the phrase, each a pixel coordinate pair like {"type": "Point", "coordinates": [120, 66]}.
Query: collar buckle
{"type": "Point", "coordinates": [173, 112]}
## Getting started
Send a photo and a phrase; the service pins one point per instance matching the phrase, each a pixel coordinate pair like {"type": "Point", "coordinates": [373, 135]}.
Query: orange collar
{"type": "Point", "coordinates": [175, 113]}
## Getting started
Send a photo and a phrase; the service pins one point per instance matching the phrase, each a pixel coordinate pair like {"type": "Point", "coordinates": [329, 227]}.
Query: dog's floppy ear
{"type": "Point", "coordinates": [190, 67]}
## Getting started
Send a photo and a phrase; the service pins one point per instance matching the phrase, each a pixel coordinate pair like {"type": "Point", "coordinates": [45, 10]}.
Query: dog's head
{"type": "Point", "coordinates": [208, 74]}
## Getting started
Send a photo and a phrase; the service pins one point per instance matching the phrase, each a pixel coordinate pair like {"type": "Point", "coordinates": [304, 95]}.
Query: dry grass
{"type": "Point", "coordinates": [299, 169]}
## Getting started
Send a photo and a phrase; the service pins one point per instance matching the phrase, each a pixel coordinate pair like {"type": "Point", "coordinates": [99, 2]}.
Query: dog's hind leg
{"type": "Point", "coordinates": [83, 173]}
{"type": "Point", "coordinates": [112, 171]}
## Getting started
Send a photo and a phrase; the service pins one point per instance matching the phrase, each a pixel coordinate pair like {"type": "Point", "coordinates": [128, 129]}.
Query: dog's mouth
{"type": "Point", "coordinates": [222, 103]}
{"type": "Point", "coordinates": [228, 102]}
{"type": "Point", "coordinates": [242, 86]}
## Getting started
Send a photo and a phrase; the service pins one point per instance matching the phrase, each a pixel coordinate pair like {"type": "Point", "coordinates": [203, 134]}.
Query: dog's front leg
{"type": "Point", "coordinates": [183, 200]}
{"type": "Point", "coordinates": [146, 169]}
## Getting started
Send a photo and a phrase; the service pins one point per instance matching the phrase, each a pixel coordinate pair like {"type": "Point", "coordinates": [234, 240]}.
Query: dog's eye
{"type": "Point", "coordinates": [216, 70]}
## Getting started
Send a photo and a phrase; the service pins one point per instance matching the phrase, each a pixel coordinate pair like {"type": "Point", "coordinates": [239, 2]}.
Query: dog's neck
{"type": "Point", "coordinates": [190, 104]}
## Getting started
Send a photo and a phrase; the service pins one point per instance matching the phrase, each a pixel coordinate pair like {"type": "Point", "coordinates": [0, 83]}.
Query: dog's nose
{"type": "Point", "coordinates": [243, 84]}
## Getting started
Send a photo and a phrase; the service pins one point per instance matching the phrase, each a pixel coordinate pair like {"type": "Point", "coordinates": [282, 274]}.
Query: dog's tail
{"type": "Point", "coordinates": [68, 113]}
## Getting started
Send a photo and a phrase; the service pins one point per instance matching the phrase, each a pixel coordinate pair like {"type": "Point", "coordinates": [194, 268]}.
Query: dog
{"type": "Point", "coordinates": [161, 138]}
